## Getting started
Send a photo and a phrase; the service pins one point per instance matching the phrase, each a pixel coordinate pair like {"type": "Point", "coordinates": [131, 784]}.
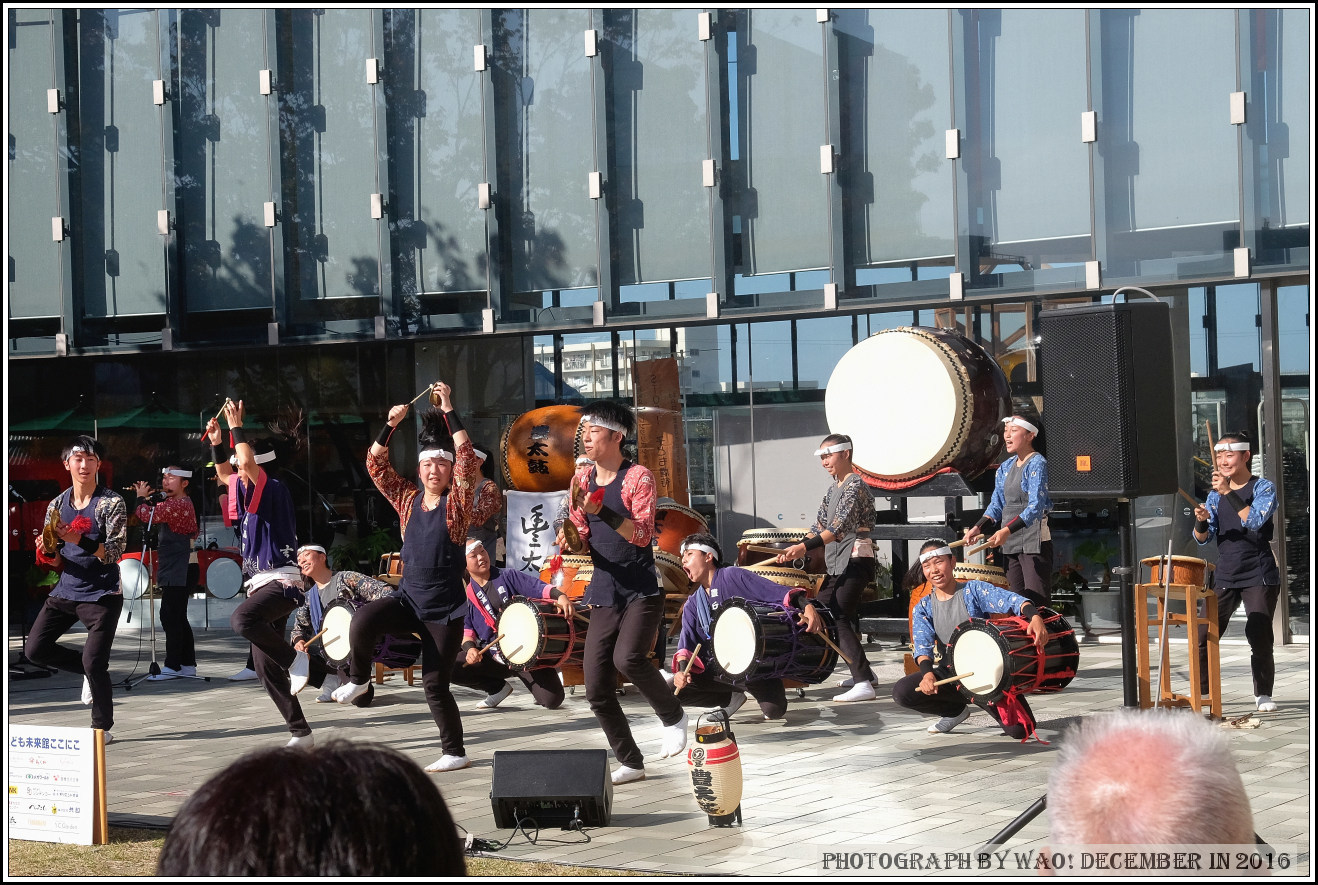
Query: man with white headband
{"type": "Point", "coordinates": [1239, 513]}
{"type": "Point", "coordinates": [842, 528]}
{"type": "Point", "coordinates": [612, 505]}
{"type": "Point", "coordinates": [701, 555]}
{"type": "Point", "coordinates": [329, 586]}
{"type": "Point", "coordinates": [430, 602]}
{"type": "Point", "coordinates": [176, 519]}
{"type": "Point", "coordinates": [935, 618]}
{"type": "Point", "coordinates": [489, 590]}
{"type": "Point", "coordinates": [267, 533]}
{"type": "Point", "coordinates": [86, 532]}
{"type": "Point", "coordinates": [1020, 506]}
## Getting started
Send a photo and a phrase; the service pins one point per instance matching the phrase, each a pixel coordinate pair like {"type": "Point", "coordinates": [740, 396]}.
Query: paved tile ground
{"type": "Point", "coordinates": [830, 778]}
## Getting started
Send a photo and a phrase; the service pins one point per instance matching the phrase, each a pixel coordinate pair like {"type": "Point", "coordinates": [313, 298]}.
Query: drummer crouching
{"type": "Point", "coordinates": [352, 587]}
{"type": "Point", "coordinates": [936, 617]}
{"type": "Point", "coordinates": [489, 590]}
{"type": "Point", "coordinates": [701, 555]}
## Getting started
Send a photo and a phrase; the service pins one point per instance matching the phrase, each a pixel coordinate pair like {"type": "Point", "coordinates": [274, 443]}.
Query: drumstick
{"type": "Point", "coordinates": [690, 662]}
{"type": "Point", "coordinates": [429, 387]}
{"type": "Point", "coordinates": [776, 551]}
{"type": "Point", "coordinates": [317, 636]}
{"type": "Point", "coordinates": [955, 544]}
{"type": "Point", "coordinates": [833, 645]}
{"type": "Point", "coordinates": [973, 550]}
{"type": "Point", "coordinates": [1202, 461]}
{"type": "Point", "coordinates": [481, 651]}
{"type": "Point", "coordinates": [1182, 493]}
{"type": "Point", "coordinates": [227, 400]}
{"type": "Point", "coordinates": [581, 617]}
{"type": "Point", "coordinates": [954, 678]}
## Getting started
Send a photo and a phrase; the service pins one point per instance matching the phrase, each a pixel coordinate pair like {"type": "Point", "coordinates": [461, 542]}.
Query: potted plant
{"type": "Point", "coordinates": [1100, 608]}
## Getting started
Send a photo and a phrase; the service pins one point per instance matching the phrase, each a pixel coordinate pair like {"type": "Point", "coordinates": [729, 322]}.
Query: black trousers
{"type": "Point", "coordinates": [948, 701]}
{"type": "Point", "coordinates": [101, 618]}
{"type": "Point", "coordinates": [705, 691]}
{"type": "Point", "coordinates": [841, 594]}
{"type": "Point", "coordinates": [619, 641]}
{"type": "Point", "coordinates": [1031, 574]}
{"type": "Point", "coordinates": [1260, 606]}
{"type": "Point", "coordinates": [180, 647]}
{"type": "Point", "coordinates": [490, 675]}
{"type": "Point", "coordinates": [440, 641]}
{"type": "Point", "coordinates": [261, 620]}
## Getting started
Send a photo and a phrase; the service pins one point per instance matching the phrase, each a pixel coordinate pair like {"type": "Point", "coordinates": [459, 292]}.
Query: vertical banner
{"type": "Point", "coordinates": [660, 438]}
{"type": "Point", "coordinates": [529, 539]}
{"type": "Point", "coordinates": [57, 785]}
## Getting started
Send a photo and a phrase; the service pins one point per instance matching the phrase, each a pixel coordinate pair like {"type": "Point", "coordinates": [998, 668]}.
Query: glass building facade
{"type": "Point", "coordinates": [324, 209]}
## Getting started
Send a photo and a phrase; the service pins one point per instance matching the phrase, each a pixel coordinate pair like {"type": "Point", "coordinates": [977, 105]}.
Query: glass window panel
{"type": "Point", "coordinates": [120, 163]}
{"type": "Point", "coordinates": [660, 136]}
{"type": "Point", "coordinates": [896, 108]}
{"type": "Point", "coordinates": [437, 150]}
{"type": "Point", "coordinates": [551, 147]}
{"type": "Point", "coordinates": [1294, 340]}
{"type": "Point", "coordinates": [328, 121]}
{"type": "Point", "coordinates": [1198, 296]}
{"type": "Point", "coordinates": [820, 343]}
{"type": "Point", "coordinates": [771, 356]}
{"type": "Point", "coordinates": [588, 364]}
{"type": "Point", "coordinates": [1237, 329]}
{"type": "Point", "coordinates": [1171, 182]}
{"type": "Point", "coordinates": [706, 362]}
{"type": "Point", "coordinates": [781, 105]}
{"type": "Point", "coordinates": [222, 167]}
{"type": "Point", "coordinates": [35, 274]}
{"type": "Point", "coordinates": [1026, 167]}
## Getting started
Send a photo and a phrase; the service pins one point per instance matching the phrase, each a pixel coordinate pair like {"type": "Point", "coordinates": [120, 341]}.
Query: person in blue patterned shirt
{"type": "Point", "coordinates": [1238, 513]}
{"type": "Point", "coordinates": [935, 618]}
{"type": "Point", "coordinates": [1019, 508]}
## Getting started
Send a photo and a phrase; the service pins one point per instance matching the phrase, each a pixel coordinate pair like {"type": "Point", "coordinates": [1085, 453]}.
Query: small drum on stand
{"type": "Point", "coordinates": [221, 572]}
{"type": "Point", "coordinates": [1001, 655]}
{"type": "Point", "coordinates": [755, 641]}
{"type": "Point", "coordinates": [394, 652]}
{"type": "Point", "coordinates": [973, 571]}
{"type": "Point", "coordinates": [134, 579]}
{"type": "Point", "coordinates": [672, 524]}
{"type": "Point", "coordinates": [540, 449]}
{"type": "Point", "coordinates": [788, 577]}
{"type": "Point", "coordinates": [1185, 570]}
{"type": "Point", "coordinates": [535, 635]}
{"type": "Point", "coordinates": [956, 395]}
{"type": "Point", "coordinates": [780, 539]}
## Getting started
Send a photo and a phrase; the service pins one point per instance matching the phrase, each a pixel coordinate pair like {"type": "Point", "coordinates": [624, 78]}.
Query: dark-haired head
{"type": "Point", "coordinates": [704, 539]}
{"type": "Point", "coordinates": [341, 809]}
{"type": "Point", "coordinates": [434, 432]}
{"type": "Point", "coordinates": [86, 444]}
{"type": "Point", "coordinates": [608, 412]}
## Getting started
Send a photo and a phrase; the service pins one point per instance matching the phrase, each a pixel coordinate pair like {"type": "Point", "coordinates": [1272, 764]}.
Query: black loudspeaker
{"type": "Point", "coordinates": [552, 786]}
{"type": "Point", "coordinates": [1109, 412]}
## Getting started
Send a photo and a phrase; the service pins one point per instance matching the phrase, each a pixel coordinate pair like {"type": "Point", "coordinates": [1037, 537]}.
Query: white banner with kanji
{"type": "Point", "coordinates": [529, 540]}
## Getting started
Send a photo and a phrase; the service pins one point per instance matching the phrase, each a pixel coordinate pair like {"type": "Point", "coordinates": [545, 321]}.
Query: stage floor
{"type": "Point", "coordinates": [830, 779]}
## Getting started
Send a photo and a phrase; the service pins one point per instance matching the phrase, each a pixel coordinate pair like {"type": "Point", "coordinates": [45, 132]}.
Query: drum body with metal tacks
{"type": "Point", "coordinates": [1002, 655]}
{"type": "Point", "coordinates": [672, 523]}
{"type": "Point", "coordinates": [974, 571]}
{"type": "Point", "coordinates": [1185, 570]}
{"type": "Point", "coordinates": [221, 572]}
{"type": "Point", "coordinates": [536, 635]}
{"type": "Point", "coordinates": [395, 652]}
{"type": "Point", "coordinates": [754, 641]}
{"type": "Point", "coordinates": [540, 449]}
{"type": "Point", "coordinates": [134, 579]}
{"type": "Point", "coordinates": [917, 400]}
{"type": "Point", "coordinates": [788, 577]}
{"type": "Point", "coordinates": [780, 539]}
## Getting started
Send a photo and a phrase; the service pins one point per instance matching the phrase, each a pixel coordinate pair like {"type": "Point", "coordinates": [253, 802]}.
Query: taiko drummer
{"type": "Point", "coordinates": [936, 617]}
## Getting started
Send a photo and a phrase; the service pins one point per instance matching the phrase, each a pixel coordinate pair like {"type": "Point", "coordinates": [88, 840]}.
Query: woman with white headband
{"type": "Point", "coordinates": [487, 504]}
{"type": "Point", "coordinates": [842, 528]}
{"type": "Point", "coordinates": [1020, 506]}
{"type": "Point", "coordinates": [176, 519]}
{"type": "Point", "coordinates": [935, 618]}
{"type": "Point", "coordinates": [430, 601]}
{"type": "Point", "coordinates": [1238, 513]}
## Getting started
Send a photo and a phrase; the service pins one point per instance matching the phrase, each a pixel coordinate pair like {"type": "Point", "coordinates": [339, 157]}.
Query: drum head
{"type": "Point", "coordinates": [736, 640]}
{"type": "Point", "coordinates": [520, 626]}
{"type": "Point", "coordinates": [134, 579]}
{"type": "Point", "coordinates": [336, 624]}
{"type": "Point", "coordinates": [906, 429]}
{"type": "Point", "coordinates": [224, 578]}
{"type": "Point", "coordinates": [978, 651]}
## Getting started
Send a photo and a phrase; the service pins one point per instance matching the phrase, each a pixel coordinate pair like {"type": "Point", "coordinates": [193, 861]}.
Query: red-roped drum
{"type": "Point", "coordinates": [755, 641]}
{"type": "Point", "coordinates": [134, 579]}
{"type": "Point", "coordinates": [672, 524]}
{"type": "Point", "coordinates": [395, 652]}
{"type": "Point", "coordinates": [540, 449]}
{"type": "Point", "coordinates": [916, 401]}
{"type": "Point", "coordinates": [779, 539]}
{"type": "Point", "coordinates": [220, 572]}
{"type": "Point", "coordinates": [535, 635]}
{"type": "Point", "coordinates": [1002, 656]}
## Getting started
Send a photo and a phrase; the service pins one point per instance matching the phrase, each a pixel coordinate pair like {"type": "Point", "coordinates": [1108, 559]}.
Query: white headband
{"type": "Point", "coordinates": [1231, 447]}
{"type": "Point", "coordinates": [583, 461]}
{"type": "Point", "coordinates": [836, 447]}
{"type": "Point", "coordinates": [433, 453]}
{"type": "Point", "coordinates": [473, 544]}
{"type": "Point", "coordinates": [265, 457]}
{"type": "Point", "coordinates": [930, 554]}
{"type": "Point", "coordinates": [73, 449]}
{"type": "Point", "coordinates": [480, 454]}
{"type": "Point", "coordinates": [703, 548]}
{"type": "Point", "coordinates": [316, 548]}
{"type": "Point", "coordinates": [1021, 422]}
{"type": "Point", "coordinates": [176, 471]}
{"type": "Point", "coordinates": [601, 422]}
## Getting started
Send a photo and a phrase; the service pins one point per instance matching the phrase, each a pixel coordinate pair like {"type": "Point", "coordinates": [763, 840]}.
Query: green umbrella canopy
{"type": "Point", "coordinates": [153, 416]}
{"type": "Point", "coordinates": [78, 419]}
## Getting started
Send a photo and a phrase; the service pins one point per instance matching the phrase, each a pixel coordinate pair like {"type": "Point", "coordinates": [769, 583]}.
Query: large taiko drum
{"type": "Point", "coordinates": [916, 401]}
{"type": "Point", "coordinates": [754, 641]}
{"type": "Point", "coordinates": [1001, 656]}
{"type": "Point", "coordinates": [577, 572]}
{"type": "Point", "coordinates": [779, 539]}
{"type": "Point", "coordinates": [540, 449]}
{"type": "Point", "coordinates": [672, 523]}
